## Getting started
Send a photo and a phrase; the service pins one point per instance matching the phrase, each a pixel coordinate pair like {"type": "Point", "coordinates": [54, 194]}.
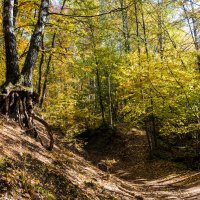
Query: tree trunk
{"type": "Point", "coordinates": [15, 12]}
{"type": "Point", "coordinates": [35, 43]}
{"type": "Point", "coordinates": [40, 69]}
{"type": "Point", "coordinates": [144, 32]}
{"type": "Point", "coordinates": [49, 63]}
{"type": "Point", "coordinates": [125, 26]}
{"type": "Point", "coordinates": [160, 32]}
{"type": "Point", "coordinates": [47, 73]}
{"type": "Point", "coordinates": [110, 100]}
{"type": "Point", "coordinates": [153, 129]}
{"type": "Point", "coordinates": [12, 68]}
{"type": "Point", "coordinates": [100, 96]}
{"type": "Point", "coordinates": [137, 30]}
{"type": "Point", "coordinates": [195, 32]}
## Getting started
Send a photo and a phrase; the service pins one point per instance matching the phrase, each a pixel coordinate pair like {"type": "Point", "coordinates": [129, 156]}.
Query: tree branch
{"type": "Point", "coordinates": [92, 16]}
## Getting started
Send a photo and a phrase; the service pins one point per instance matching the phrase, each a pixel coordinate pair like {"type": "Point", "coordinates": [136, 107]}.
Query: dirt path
{"type": "Point", "coordinates": [127, 179]}
{"type": "Point", "coordinates": [160, 179]}
{"type": "Point", "coordinates": [152, 179]}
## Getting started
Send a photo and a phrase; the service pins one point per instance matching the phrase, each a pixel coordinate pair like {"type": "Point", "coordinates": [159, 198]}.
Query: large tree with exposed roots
{"type": "Point", "coordinates": [17, 96]}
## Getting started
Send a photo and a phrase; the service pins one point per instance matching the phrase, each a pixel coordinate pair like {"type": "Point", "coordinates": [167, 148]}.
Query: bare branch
{"type": "Point", "coordinates": [92, 16]}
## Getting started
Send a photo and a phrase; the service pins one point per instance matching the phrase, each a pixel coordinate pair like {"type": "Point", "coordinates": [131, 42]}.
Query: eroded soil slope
{"type": "Point", "coordinates": [28, 171]}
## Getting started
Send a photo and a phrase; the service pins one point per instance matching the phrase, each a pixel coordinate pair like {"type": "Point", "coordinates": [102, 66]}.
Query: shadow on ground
{"type": "Point", "coordinates": [28, 171]}
{"type": "Point", "coordinates": [126, 156]}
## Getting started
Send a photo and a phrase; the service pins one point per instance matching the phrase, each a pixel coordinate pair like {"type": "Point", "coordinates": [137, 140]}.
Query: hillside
{"type": "Point", "coordinates": [28, 171]}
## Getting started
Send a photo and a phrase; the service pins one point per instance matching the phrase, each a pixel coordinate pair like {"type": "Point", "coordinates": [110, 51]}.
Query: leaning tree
{"type": "Point", "coordinates": [17, 98]}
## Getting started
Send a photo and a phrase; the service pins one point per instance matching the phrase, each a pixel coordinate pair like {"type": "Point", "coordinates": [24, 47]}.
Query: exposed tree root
{"type": "Point", "coordinates": [18, 104]}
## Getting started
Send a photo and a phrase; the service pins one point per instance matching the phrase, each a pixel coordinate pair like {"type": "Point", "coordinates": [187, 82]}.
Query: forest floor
{"type": "Point", "coordinates": [121, 170]}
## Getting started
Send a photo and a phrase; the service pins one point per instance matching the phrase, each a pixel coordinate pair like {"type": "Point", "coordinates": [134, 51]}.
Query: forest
{"type": "Point", "coordinates": [96, 70]}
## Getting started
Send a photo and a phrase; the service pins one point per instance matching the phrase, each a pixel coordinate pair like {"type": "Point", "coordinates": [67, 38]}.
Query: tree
{"type": "Point", "coordinates": [12, 69]}
{"type": "Point", "coordinates": [17, 96]}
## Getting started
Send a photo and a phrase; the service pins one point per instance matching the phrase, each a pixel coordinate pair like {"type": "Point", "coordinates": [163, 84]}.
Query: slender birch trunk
{"type": "Point", "coordinates": [12, 68]}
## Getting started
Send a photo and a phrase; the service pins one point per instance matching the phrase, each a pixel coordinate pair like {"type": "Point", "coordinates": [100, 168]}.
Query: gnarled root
{"type": "Point", "coordinates": [48, 129]}
{"type": "Point", "coordinates": [19, 105]}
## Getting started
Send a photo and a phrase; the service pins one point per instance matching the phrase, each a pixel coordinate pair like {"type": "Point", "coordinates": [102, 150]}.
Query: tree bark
{"type": "Point", "coordinates": [12, 68]}
{"type": "Point", "coordinates": [15, 11]}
